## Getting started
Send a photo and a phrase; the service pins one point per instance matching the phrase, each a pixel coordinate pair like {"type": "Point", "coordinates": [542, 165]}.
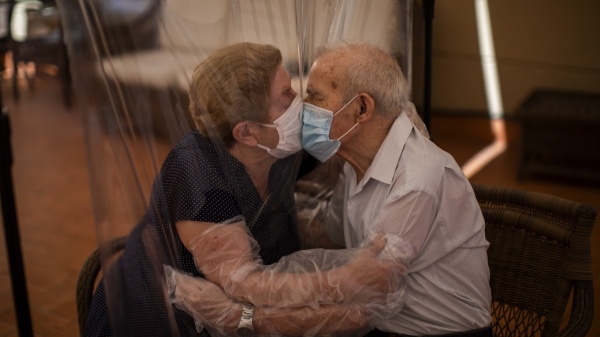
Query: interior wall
{"type": "Point", "coordinates": [539, 44]}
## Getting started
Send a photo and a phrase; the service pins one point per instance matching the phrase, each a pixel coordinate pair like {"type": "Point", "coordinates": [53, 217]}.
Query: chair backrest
{"type": "Point", "coordinates": [539, 256]}
{"type": "Point", "coordinates": [86, 281]}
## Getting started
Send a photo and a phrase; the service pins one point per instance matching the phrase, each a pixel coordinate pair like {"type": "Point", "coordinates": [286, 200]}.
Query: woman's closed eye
{"type": "Point", "coordinates": [287, 98]}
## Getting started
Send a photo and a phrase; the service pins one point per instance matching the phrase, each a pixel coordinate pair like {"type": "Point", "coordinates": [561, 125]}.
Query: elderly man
{"type": "Point", "coordinates": [399, 182]}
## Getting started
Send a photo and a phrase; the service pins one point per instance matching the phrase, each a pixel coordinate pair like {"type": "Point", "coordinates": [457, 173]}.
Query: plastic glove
{"type": "Point", "coordinates": [216, 312]}
{"type": "Point", "coordinates": [210, 307]}
{"type": "Point", "coordinates": [228, 255]}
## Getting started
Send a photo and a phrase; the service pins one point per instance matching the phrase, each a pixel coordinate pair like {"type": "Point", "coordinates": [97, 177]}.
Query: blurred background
{"type": "Point", "coordinates": [539, 44]}
{"type": "Point", "coordinates": [548, 61]}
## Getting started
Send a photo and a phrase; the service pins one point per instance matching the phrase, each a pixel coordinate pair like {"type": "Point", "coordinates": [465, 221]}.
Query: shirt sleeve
{"type": "Point", "coordinates": [409, 215]}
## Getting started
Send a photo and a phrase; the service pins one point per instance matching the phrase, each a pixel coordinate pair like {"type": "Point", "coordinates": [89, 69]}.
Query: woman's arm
{"type": "Point", "coordinates": [211, 308]}
{"type": "Point", "coordinates": [227, 256]}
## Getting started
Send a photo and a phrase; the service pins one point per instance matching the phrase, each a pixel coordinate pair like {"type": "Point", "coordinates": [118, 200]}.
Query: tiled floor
{"type": "Point", "coordinates": [55, 209]}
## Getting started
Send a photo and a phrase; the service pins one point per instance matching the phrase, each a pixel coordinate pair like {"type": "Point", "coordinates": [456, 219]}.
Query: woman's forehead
{"type": "Point", "coordinates": [281, 80]}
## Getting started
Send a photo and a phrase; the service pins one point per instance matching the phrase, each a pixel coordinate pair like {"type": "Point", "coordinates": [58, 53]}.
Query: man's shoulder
{"type": "Point", "coordinates": [423, 165]}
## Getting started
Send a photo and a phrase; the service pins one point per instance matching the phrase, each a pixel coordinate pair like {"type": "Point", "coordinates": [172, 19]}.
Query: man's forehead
{"type": "Point", "coordinates": [327, 65]}
{"type": "Point", "coordinates": [324, 75]}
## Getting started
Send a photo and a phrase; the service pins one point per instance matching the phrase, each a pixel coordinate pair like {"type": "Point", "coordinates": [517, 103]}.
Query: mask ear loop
{"type": "Point", "coordinates": [342, 108]}
{"type": "Point", "coordinates": [347, 132]}
{"type": "Point", "coordinates": [345, 105]}
{"type": "Point", "coordinates": [263, 147]}
{"type": "Point", "coordinates": [268, 126]}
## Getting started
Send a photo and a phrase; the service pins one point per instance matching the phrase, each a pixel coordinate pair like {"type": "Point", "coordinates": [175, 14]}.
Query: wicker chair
{"type": "Point", "coordinates": [86, 281]}
{"type": "Point", "coordinates": [539, 256]}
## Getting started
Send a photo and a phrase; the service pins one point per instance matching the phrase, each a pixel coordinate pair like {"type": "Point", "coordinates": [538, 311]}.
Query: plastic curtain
{"type": "Point", "coordinates": [133, 63]}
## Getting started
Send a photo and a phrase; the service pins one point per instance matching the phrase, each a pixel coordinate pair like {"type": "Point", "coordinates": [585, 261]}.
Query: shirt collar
{"type": "Point", "coordinates": [385, 161]}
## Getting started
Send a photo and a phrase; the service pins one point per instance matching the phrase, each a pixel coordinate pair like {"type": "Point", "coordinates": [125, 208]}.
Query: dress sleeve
{"type": "Point", "coordinates": [218, 207]}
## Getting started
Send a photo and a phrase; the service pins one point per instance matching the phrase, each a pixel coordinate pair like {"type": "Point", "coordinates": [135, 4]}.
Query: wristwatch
{"type": "Point", "coordinates": [245, 328]}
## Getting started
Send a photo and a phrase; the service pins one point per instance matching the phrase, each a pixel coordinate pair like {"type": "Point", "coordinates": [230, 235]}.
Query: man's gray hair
{"type": "Point", "coordinates": [374, 71]}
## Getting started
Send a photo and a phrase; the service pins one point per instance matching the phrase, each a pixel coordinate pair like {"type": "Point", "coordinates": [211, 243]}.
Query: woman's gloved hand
{"type": "Point", "coordinates": [206, 302]}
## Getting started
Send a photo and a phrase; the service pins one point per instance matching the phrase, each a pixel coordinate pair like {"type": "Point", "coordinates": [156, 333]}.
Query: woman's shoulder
{"type": "Point", "coordinates": [193, 146]}
{"type": "Point", "coordinates": [194, 140]}
{"type": "Point", "coordinates": [194, 153]}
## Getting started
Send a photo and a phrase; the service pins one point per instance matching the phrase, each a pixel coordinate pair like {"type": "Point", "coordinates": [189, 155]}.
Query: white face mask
{"type": "Point", "coordinates": [289, 127]}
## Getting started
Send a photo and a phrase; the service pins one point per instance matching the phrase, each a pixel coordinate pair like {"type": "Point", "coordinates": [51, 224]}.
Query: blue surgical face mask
{"type": "Point", "coordinates": [316, 124]}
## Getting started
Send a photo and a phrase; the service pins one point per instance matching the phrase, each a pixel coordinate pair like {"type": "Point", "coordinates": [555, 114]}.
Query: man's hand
{"type": "Point", "coordinates": [371, 275]}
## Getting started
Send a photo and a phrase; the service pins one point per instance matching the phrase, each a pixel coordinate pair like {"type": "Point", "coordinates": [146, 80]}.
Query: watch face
{"type": "Point", "coordinates": [245, 332]}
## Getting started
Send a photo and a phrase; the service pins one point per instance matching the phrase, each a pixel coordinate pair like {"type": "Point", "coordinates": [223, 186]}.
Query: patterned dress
{"type": "Point", "coordinates": [202, 183]}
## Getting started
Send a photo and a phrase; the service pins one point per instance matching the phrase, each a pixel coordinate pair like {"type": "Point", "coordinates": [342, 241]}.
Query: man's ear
{"type": "Point", "coordinates": [242, 132]}
{"type": "Point", "coordinates": [367, 107]}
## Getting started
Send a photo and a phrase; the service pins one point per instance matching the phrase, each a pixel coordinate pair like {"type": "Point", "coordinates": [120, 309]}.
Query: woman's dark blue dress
{"type": "Point", "coordinates": [202, 183]}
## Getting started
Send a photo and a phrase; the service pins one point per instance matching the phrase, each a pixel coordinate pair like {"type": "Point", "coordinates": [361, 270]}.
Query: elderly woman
{"type": "Point", "coordinates": [223, 209]}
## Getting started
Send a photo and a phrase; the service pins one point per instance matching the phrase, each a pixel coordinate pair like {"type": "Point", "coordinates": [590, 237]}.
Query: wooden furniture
{"type": "Point", "coordinates": [35, 35]}
{"type": "Point", "coordinates": [5, 8]}
{"type": "Point", "coordinates": [560, 135]}
{"type": "Point", "coordinates": [539, 256]}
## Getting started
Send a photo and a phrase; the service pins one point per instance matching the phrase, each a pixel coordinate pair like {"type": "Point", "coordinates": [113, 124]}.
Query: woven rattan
{"type": "Point", "coordinates": [88, 275]}
{"type": "Point", "coordinates": [539, 256]}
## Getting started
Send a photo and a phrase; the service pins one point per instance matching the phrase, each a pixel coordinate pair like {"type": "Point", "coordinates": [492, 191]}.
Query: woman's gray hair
{"type": "Point", "coordinates": [374, 71]}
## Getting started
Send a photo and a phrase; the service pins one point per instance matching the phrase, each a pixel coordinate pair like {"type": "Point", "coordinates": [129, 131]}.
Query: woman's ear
{"type": "Point", "coordinates": [242, 132]}
{"type": "Point", "coordinates": [367, 106]}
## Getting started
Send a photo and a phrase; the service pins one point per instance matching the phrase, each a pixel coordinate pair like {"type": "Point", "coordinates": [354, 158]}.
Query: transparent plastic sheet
{"type": "Point", "coordinates": [367, 279]}
{"type": "Point", "coordinates": [132, 63]}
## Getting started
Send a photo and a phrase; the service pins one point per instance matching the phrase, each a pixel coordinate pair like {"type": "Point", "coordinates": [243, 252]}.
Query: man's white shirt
{"type": "Point", "coordinates": [417, 191]}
